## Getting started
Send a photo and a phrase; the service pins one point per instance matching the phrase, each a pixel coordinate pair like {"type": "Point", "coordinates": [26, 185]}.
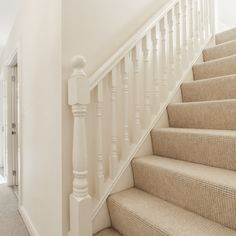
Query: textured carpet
{"type": "Point", "coordinates": [188, 187]}
{"type": "Point", "coordinates": [11, 223]}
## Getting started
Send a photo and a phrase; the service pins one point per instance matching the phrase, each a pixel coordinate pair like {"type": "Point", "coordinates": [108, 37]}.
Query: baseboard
{"type": "Point", "coordinates": [29, 225]}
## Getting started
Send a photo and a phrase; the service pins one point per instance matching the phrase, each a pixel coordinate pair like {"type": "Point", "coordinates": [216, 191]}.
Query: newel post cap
{"type": "Point", "coordinates": [78, 84]}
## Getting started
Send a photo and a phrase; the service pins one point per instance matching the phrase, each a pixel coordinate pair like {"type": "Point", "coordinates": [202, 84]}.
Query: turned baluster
{"type": "Point", "coordinates": [172, 75]}
{"type": "Point", "coordinates": [196, 25]}
{"type": "Point", "coordinates": [147, 81]}
{"type": "Point", "coordinates": [212, 16]}
{"type": "Point", "coordinates": [202, 27]}
{"type": "Point", "coordinates": [207, 18]}
{"type": "Point", "coordinates": [163, 61]}
{"type": "Point", "coordinates": [137, 79]}
{"type": "Point", "coordinates": [184, 34]}
{"type": "Point", "coordinates": [190, 31]}
{"type": "Point", "coordinates": [156, 94]}
{"type": "Point", "coordinates": [100, 171]}
{"type": "Point", "coordinates": [177, 38]}
{"type": "Point", "coordinates": [114, 157]}
{"type": "Point", "coordinates": [125, 76]}
{"type": "Point", "coordinates": [79, 98]}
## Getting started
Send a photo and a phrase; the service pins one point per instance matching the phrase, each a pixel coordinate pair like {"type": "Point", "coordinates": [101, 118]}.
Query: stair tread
{"type": "Point", "coordinates": [225, 36]}
{"type": "Point", "coordinates": [214, 132]}
{"type": "Point", "coordinates": [220, 88]}
{"type": "Point", "coordinates": [205, 114]}
{"type": "Point", "coordinates": [224, 101]}
{"type": "Point", "coordinates": [138, 213]}
{"type": "Point", "coordinates": [213, 175]}
{"type": "Point", "coordinates": [215, 68]}
{"type": "Point", "coordinates": [207, 191]}
{"type": "Point", "coordinates": [220, 51]}
{"type": "Point", "coordinates": [108, 232]}
{"type": "Point", "coordinates": [208, 147]}
{"type": "Point", "coordinates": [226, 77]}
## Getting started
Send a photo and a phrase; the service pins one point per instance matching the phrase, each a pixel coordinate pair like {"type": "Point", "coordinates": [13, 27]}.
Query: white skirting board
{"type": "Point", "coordinates": [30, 227]}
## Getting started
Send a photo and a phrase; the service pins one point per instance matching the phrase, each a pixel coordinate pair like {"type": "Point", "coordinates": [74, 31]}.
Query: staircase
{"type": "Point", "coordinates": [189, 186]}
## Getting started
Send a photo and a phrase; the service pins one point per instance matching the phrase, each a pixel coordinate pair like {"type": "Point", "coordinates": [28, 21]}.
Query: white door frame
{"type": "Point", "coordinates": [13, 60]}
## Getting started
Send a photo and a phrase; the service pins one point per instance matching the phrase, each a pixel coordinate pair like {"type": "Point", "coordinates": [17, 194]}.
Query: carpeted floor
{"type": "Point", "coordinates": [11, 223]}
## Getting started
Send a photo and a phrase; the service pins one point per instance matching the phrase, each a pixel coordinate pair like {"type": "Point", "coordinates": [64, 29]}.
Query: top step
{"type": "Point", "coordinates": [226, 36]}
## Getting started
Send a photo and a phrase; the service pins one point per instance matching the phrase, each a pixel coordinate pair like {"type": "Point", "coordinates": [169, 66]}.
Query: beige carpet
{"type": "Point", "coordinates": [188, 187]}
{"type": "Point", "coordinates": [11, 223]}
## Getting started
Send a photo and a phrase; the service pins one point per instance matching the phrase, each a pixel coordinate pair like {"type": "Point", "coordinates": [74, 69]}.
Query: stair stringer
{"type": "Point", "coordinates": [101, 218]}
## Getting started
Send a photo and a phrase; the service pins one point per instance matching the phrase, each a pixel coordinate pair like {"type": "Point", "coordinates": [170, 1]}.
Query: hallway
{"type": "Point", "coordinates": [11, 223]}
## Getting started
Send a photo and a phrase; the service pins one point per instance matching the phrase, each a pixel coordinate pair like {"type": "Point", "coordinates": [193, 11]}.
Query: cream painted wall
{"type": "Point", "coordinates": [96, 29]}
{"type": "Point", "coordinates": [225, 14]}
{"type": "Point", "coordinates": [40, 78]}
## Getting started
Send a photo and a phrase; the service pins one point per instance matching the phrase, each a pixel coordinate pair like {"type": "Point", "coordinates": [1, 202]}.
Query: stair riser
{"type": "Point", "coordinates": [213, 202]}
{"type": "Point", "coordinates": [213, 115]}
{"type": "Point", "coordinates": [220, 51]}
{"type": "Point", "coordinates": [215, 68]}
{"type": "Point", "coordinates": [209, 90]}
{"type": "Point", "coordinates": [211, 150]}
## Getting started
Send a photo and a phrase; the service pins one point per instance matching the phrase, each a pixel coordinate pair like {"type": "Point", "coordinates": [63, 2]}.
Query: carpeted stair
{"type": "Point", "coordinates": [188, 188]}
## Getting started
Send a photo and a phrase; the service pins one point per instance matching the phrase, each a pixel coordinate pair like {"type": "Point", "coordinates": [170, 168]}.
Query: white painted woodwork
{"type": "Point", "coordinates": [156, 84]}
{"type": "Point", "coordinates": [131, 90]}
{"type": "Point", "coordinates": [178, 58]}
{"type": "Point", "coordinates": [184, 34]}
{"type": "Point", "coordinates": [147, 79]}
{"type": "Point", "coordinates": [207, 18]}
{"type": "Point", "coordinates": [171, 69]}
{"type": "Point", "coordinates": [100, 155]}
{"type": "Point", "coordinates": [196, 26]}
{"type": "Point", "coordinates": [190, 30]}
{"type": "Point", "coordinates": [125, 81]}
{"type": "Point", "coordinates": [201, 13]}
{"type": "Point", "coordinates": [113, 161]}
{"type": "Point", "coordinates": [80, 201]}
{"type": "Point", "coordinates": [136, 56]}
{"type": "Point", "coordinates": [163, 60]}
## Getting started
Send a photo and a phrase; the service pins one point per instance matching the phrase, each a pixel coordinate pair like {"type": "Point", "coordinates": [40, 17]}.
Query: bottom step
{"type": "Point", "coordinates": [136, 213]}
{"type": "Point", "coordinates": [108, 232]}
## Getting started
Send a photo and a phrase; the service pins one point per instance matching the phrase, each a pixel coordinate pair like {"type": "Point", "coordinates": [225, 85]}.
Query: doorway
{"type": "Point", "coordinates": [11, 124]}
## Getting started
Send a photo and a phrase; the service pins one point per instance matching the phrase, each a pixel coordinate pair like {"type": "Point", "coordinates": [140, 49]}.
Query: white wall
{"type": "Point", "coordinates": [94, 29]}
{"type": "Point", "coordinates": [225, 14]}
{"type": "Point", "coordinates": [40, 75]}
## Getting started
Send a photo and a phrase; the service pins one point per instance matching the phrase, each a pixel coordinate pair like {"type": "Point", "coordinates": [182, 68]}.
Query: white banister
{"type": "Point", "coordinates": [113, 161]}
{"type": "Point", "coordinates": [125, 78]}
{"type": "Point", "coordinates": [136, 56]}
{"type": "Point", "coordinates": [156, 84]}
{"type": "Point", "coordinates": [80, 201]}
{"type": "Point", "coordinates": [184, 34]}
{"type": "Point", "coordinates": [129, 92]}
{"type": "Point", "coordinates": [163, 60]}
{"type": "Point", "coordinates": [178, 57]}
{"type": "Point", "coordinates": [147, 79]}
{"type": "Point", "coordinates": [171, 77]}
{"type": "Point", "coordinates": [100, 169]}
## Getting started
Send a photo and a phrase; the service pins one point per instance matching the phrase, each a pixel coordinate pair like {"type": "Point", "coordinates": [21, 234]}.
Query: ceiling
{"type": "Point", "coordinates": [8, 13]}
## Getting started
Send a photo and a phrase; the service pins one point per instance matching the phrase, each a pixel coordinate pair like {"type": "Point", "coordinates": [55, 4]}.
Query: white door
{"type": "Point", "coordinates": [11, 127]}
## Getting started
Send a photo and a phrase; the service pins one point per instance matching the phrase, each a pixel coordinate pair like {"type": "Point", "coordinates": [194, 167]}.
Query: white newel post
{"type": "Point", "coordinates": [80, 201]}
